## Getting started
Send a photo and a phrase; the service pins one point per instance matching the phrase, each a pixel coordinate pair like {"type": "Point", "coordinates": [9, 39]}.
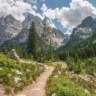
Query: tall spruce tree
{"type": "Point", "coordinates": [44, 37]}
{"type": "Point", "coordinates": [47, 40]}
{"type": "Point", "coordinates": [32, 43]}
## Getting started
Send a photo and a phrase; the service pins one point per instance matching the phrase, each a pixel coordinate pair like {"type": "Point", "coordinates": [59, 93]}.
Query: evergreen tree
{"type": "Point", "coordinates": [44, 37]}
{"type": "Point", "coordinates": [46, 40]}
{"type": "Point", "coordinates": [32, 43]}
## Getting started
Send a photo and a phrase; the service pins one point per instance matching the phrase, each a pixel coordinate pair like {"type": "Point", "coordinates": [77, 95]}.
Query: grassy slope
{"type": "Point", "coordinates": [15, 76]}
{"type": "Point", "coordinates": [64, 86]}
{"type": "Point", "coordinates": [79, 45]}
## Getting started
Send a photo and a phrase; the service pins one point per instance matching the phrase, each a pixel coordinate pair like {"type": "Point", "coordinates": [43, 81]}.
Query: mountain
{"type": "Point", "coordinates": [57, 36]}
{"type": "Point", "coordinates": [9, 28]}
{"type": "Point", "coordinates": [83, 31]}
{"type": "Point", "coordinates": [20, 39]}
{"type": "Point", "coordinates": [38, 23]}
{"type": "Point", "coordinates": [82, 35]}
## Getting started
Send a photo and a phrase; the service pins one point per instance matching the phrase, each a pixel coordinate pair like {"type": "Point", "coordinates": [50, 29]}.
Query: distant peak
{"type": "Point", "coordinates": [88, 18]}
{"type": "Point", "coordinates": [10, 17]}
{"type": "Point", "coordinates": [87, 22]}
{"type": "Point", "coordinates": [29, 16]}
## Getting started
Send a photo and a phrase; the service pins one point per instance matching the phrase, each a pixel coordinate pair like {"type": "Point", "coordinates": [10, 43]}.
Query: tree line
{"type": "Point", "coordinates": [39, 49]}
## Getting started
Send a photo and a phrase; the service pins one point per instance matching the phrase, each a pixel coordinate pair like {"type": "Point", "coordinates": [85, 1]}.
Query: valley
{"type": "Point", "coordinates": [47, 48]}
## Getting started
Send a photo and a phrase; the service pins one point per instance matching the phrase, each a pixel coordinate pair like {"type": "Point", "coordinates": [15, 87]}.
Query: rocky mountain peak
{"type": "Point", "coordinates": [9, 28]}
{"type": "Point", "coordinates": [28, 20]}
{"type": "Point", "coordinates": [29, 17]}
{"type": "Point", "coordinates": [89, 18]}
{"type": "Point", "coordinates": [84, 30]}
{"type": "Point", "coordinates": [21, 38]}
{"type": "Point", "coordinates": [10, 19]}
{"type": "Point", "coordinates": [87, 22]}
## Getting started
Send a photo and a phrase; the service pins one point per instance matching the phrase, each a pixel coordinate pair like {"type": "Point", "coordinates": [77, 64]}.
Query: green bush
{"type": "Point", "coordinates": [86, 66]}
{"type": "Point", "coordinates": [64, 86]}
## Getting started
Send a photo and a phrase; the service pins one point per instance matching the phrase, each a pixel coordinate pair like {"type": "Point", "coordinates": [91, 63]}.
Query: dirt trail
{"type": "Point", "coordinates": [2, 91]}
{"type": "Point", "coordinates": [39, 87]}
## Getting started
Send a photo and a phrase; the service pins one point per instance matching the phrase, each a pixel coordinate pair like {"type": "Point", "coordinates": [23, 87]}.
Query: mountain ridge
{"type": "Point", "coordinates": [80, 35]}
{"type": "Point", "coordinates": [57, 36]}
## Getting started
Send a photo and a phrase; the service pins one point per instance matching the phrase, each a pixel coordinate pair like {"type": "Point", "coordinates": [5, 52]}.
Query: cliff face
{"type": "Point", "coordinates": [9, 28]}
{"type": "Point", "coordinates": [83, 31]}
{"type": "Point", "coordinates": [18, 31]}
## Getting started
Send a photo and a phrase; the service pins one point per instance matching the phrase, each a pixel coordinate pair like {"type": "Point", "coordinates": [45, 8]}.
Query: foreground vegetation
{"type": "Point", "coordinates": [62, 85]}
{"type": "Point", "coordinates": [14, 76]}
{"type": "Point", "coordinates": [86, 66]}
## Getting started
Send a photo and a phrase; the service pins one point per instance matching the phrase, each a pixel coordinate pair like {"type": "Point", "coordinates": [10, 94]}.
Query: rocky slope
{"type": "Point", "coordinates": [84, 30]}
{"type": "Point", "coordinates": [82, 35]}
{"type": "Point", "coordinates": [57, 36]}
{"type": "Point", "coordinates": [9, 28]}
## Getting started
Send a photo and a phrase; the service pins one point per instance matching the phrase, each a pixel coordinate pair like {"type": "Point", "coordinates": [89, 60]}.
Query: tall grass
{"type": "Point", "coordinates": [15, 76]}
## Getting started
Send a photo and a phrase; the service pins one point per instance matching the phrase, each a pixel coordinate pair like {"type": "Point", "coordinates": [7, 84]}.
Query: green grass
{"type": "Point", "coordinates": [82, 66]}
{"type": "Point", "coordinates": [64, 86]}
{"type": "Point", "coordinates": [14, 76]}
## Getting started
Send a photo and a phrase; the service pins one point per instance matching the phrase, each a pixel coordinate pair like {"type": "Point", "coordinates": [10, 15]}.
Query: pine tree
{"type": "Point", "coordinates": [44, 37]}
{"type": "Point", "coordinates": [32, 43]}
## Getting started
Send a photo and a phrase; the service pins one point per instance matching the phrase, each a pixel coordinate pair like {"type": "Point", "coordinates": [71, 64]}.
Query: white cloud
{"type": "Point", "coordinates": [17, 8]}
{"type": "Point", "coordinates": [34, 7]}
{"type": "Point", "coordinates": [51, 24]}
{"type": "Point", "coordinates": [44, 8]}
{"type": "Point", "coordinates": [68, 32]}
{"type": "Point", "coordinates": [70, 17]}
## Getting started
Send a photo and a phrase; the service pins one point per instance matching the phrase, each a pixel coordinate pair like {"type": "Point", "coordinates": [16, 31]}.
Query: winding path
{"type": "Point", "coordinates": [38, 88]}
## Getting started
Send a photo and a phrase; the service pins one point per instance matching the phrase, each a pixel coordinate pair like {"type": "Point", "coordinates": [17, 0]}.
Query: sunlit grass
{"type": "Point", "coordinates": [14, 76]}
{"type": "Point", "coordinates": [62, 85]}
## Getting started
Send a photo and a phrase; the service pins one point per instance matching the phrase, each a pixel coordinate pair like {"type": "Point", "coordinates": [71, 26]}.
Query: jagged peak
{"type": "Point", "coordinates": [87, 22]}
{"type": "Point", "coordinates": [29, 16]}
{"type": "Point", "coordinates": [9, 16]}
{"type": "Point", "coordinates": [2, 17]}
{"type": "Point", "coordinates": [89, 18]}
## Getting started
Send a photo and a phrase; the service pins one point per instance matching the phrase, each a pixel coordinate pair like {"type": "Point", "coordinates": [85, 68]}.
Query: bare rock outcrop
{"type": "Point", "coordinates": [54, 94]}
{"type": "Point", "coordinates": [13, 55]}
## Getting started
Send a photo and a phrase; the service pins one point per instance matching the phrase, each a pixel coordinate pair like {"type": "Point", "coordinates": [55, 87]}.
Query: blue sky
{"type": "Point", "coordinates": [58, 4]}
{"type": "Point", "coordinates": [65, 14]}
{"type": "Point", "coordinates": [54, 4]}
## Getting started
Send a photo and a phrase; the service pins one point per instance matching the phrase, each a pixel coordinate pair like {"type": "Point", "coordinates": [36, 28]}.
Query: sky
{"type": "Point", "coordinates": [63, 14]}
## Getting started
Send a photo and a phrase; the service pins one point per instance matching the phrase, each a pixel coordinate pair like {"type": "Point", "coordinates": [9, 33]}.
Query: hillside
{"type": "Point", "coordinates": [82, 37]}
{"type": "Point", "coordinates": [14, 76]}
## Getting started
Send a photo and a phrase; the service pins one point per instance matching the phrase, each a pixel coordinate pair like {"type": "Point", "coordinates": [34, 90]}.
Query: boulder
{"type": "Point", "coordinates": [54, 94]}
{"type": "Point", "coordinates": [13, 55]}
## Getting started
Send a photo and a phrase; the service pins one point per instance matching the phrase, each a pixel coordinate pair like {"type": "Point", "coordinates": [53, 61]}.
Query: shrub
{"type": "Point", "coordinates": [64, 86]}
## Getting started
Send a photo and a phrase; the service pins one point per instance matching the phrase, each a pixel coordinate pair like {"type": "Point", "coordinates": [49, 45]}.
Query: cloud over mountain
{"type": "Point", "coordinates": [17, 8]}
{"type": "Point", "coordinates": [69, 17]}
